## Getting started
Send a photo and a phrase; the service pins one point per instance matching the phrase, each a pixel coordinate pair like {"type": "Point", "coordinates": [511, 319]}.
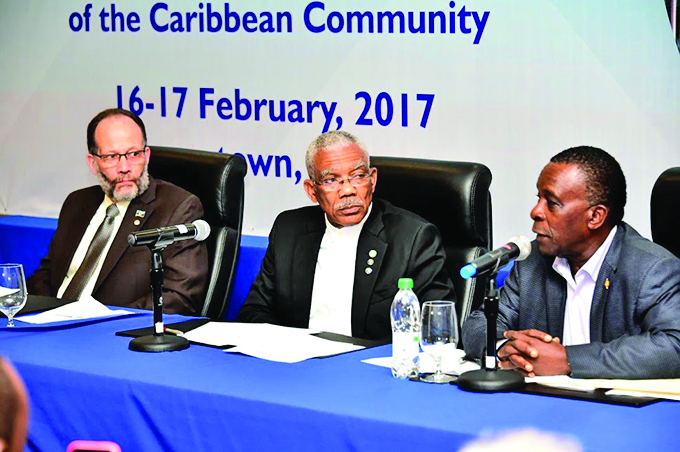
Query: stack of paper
{"type": "Point", "coordinates": [270, 342]}
{"type": "Point", "coordinates": [85, 308]}
{"type": "Point", "coordinates": [661, 389]}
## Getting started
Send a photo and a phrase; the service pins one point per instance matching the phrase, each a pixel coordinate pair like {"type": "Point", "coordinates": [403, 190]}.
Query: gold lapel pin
{"type": "Point", "coordinates": [606, 283]}
{"type": "Point", "coordinates": [136, 222]}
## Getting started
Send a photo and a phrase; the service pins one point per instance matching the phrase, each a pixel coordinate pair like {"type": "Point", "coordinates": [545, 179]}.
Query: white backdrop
{"type": "Point", "coordinates": [544, 76]}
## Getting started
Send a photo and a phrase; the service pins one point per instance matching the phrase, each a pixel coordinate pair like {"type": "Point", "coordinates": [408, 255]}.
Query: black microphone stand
{"type": "Point", "coordinates": [490, 378]}
{"type": "Point", "coordinates": [158, 341]}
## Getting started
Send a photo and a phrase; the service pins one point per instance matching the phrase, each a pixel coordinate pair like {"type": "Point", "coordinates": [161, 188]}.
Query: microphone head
{"type": "Point", "coordinates": [202, 230]}
{"type": "Point", "coordinates": [524, 245]}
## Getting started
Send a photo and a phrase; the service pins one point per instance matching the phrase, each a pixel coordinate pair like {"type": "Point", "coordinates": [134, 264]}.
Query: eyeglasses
{"type": "Point", "coordinates": [333, 183]}
{"type": "Point", "coordinates": [133, 157]}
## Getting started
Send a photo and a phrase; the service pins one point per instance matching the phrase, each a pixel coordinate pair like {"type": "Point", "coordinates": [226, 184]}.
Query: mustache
{"type": "Point", "coordinates": [348, 203]}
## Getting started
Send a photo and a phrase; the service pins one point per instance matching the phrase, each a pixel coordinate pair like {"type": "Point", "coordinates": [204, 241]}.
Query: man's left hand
{"type": "Point", "coordinates": [551, 357]}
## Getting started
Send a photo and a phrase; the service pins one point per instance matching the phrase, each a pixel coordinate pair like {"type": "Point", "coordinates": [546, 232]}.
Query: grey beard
{"type": "Point", "coordinates": [142, 183]}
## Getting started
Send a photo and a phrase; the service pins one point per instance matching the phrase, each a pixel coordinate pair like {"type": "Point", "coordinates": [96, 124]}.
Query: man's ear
{"type": "Point", "coordinates": [91, 163]}
{"type": "Point", "coordinates": [598, 215]}
{"type": "Point", "coordinates": [309, 189]}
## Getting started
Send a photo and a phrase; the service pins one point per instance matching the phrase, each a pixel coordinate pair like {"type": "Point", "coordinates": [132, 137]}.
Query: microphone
{"type": "Point", "coordinates": [517, 248]}
{"type": "Point", "coordinates": [199, 230]}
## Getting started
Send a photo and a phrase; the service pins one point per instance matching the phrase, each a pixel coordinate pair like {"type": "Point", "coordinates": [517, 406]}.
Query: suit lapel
{"type": "Point", "coordinates": [370, 246]}
{"type": "Point", "coordinates": [305, 256]}
{"type": "Point", "coordinates": [120, 243]}
{"type": "Point", "coordinates": [601, 294]}
{"type": "Point", "coordinates": [76, 229]}
{"type": "Point", "coordinates": [555, 301]}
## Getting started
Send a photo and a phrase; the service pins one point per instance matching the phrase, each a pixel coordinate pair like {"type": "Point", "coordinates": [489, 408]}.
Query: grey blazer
{"type": "Point", "coordinates": [634, 319]}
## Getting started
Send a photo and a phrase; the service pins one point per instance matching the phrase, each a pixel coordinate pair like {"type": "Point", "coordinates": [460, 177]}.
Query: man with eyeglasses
{"type": "Point", "coordinates": [334, 267]}
{"type": "Point", "coordinates": [89, 253]}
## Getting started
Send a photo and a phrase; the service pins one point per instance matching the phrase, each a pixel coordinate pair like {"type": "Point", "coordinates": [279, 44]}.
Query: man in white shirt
{"type": "Point", "coordinates": [89, 253]}
{"type": "Point", "coordinates": [334, 267]}
{"type": "Point", "coordinates": [594, 299]}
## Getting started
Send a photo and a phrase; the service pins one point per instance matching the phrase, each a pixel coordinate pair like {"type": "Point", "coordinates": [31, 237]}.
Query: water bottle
{"type": "Point", "coordinates": [405, 316]}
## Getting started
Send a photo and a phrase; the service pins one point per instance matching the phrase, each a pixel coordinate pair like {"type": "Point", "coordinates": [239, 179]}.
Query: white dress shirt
{"type": "Point", "coordinates": [334, 278]}
{"type": "Point", "coordinates": [580, 290]}
{"type": "Point", "coordinates": [85, 241]}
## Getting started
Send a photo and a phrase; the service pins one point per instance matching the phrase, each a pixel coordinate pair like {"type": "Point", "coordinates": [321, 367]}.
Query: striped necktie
{"type": "Point", "coordinates": [94, 253]}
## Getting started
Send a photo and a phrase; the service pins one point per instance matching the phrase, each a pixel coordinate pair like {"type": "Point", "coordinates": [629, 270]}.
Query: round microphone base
{"type": "Point", "coordinates": [490, 381]}
{"type": "Point", "coordinates": [160, 343]}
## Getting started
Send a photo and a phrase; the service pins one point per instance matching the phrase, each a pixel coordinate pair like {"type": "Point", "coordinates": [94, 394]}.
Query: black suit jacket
{"type": "Point", "coordinates": [407, 247]}
{"type": "Point", "coordinates": [634, 317]}
{"type": "Point", "coordinates": [124, 279]}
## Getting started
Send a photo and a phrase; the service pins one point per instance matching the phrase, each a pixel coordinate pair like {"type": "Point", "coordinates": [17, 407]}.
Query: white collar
{"type": "Point", "coordinates": [593, 265]}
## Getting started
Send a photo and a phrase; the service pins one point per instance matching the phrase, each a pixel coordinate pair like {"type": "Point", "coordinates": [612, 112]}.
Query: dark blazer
{"type": "Point", "coordinates": [634, 319]}
{"type": "Point", "coordinates": [124, 279]}
{"type": "Point", "coordinates": [407, 247]}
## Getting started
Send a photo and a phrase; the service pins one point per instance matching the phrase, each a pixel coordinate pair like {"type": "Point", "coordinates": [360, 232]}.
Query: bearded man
{"type": "Point", "coordinates": [89, 253]}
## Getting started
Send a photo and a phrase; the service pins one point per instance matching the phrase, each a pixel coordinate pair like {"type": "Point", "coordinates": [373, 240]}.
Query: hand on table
{"type": "Point", "coordinates": [533, 352]}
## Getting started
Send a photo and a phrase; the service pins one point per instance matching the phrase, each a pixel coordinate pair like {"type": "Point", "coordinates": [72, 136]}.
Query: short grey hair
{"type": "Point", "coordinates": [331, 140]}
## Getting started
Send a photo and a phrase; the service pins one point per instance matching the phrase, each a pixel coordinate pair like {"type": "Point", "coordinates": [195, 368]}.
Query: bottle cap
{"type": "Point", "coordinates": [405, 284]}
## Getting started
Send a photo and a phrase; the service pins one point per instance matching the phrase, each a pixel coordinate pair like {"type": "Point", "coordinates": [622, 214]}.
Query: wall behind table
{"type": "Point", "coordinates": [541, 77]}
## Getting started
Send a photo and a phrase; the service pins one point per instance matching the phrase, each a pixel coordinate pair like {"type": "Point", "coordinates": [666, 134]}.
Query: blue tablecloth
{"type": "Point", "coordinates": [84, 383]}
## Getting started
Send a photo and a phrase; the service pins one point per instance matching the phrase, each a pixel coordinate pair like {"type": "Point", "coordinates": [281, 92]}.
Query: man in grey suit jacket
{"type": "Point", "coordinates": [334, 267]}
{"type": "Point", "coordinates": [594, 299]}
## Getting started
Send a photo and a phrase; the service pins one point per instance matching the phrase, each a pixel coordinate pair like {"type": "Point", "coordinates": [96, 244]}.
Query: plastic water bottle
{"type": "Point", "coordinates": [405, 316]}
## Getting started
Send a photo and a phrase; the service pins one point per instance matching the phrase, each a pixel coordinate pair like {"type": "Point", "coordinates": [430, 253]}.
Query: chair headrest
{"type": "Point", "coordinates": [455, 194]}
{"type": "Point", "coordinates": [216, 179]}
{"type": "Point", "coordinates": [665, 206]}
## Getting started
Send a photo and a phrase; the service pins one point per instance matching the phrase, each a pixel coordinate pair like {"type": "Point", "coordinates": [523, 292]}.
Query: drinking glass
{"type": "Point", "coordinates": [438, 335]}
{"type": "Point", "coordinates": [12, 290]}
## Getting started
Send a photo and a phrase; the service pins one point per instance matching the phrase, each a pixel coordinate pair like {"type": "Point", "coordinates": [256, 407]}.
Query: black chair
{"type": "Point", "coordinates": [217, 180]}
{"type": "Point", "coordinates": [665, 210]}
{"type": "Point", "coordinates": [454, 196]}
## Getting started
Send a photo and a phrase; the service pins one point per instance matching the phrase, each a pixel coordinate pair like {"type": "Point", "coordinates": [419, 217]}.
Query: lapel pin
{"type": "Point", "coordinates": [372, 254]}
{"type": "Point", "coordinates": [140, 214]}
{"type": "Point", "coordinates": [606, 283]}
{"type": "Point", "coordinates": [136, 222]}
{"type": "Point", "coordinates": [368, 270]}
{"type": "Point", "coordinates": [370, 262]}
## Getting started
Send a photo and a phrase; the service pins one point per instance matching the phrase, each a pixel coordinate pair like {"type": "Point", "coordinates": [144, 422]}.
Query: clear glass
{"type": "Point", "coordinates": [438, 336]}
{"type": "Point", "coordinates": [12, 290]}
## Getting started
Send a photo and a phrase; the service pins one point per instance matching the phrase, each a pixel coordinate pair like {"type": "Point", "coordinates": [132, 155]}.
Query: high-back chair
{"type": "Point", "coordinates": [217, 180]}
{"type": "Point", "coordinates": [454, 196]}
{"type": "Point", "coordinates": [665, 210]}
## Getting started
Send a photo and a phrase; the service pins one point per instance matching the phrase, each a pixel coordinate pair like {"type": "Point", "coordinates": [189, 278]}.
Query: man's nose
{"type": "Point", "coordinates": [347, 189]}
{"type": "Point", "coordinates": [123, 165]}
{"type": "Point", "coordinates": [537, 212]}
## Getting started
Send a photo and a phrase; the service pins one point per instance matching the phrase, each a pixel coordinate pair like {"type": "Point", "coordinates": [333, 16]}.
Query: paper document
{"type": "Point", "coordinates": [658, 388]}
{"type": "Point", "coordinates": [86, 308]}
{"type": "Point", "coordinates": [270, 342]}
{"type": "Point", "coordinates": [452, 364]}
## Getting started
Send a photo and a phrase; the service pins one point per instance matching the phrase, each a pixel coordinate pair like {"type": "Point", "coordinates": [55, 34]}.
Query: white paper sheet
{"type": "Point", "coordinates": [452, 363]}
{"type": "Point", "coordinates": [270, 342]}
{"type": "Point", "coordinates": [659, 388]}
{"type": "Point", "coordinates": [86, 308]}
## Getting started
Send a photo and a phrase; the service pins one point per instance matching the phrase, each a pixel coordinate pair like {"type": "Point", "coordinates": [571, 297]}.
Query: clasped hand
{"type": "Point", "coordinates": [533, 352]}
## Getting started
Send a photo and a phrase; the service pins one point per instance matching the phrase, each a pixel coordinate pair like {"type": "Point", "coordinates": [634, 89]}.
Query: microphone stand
{"type": "Point", "coordinates": [490, 378]}
{"type": "Point", "coordinates": [158, 341]}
